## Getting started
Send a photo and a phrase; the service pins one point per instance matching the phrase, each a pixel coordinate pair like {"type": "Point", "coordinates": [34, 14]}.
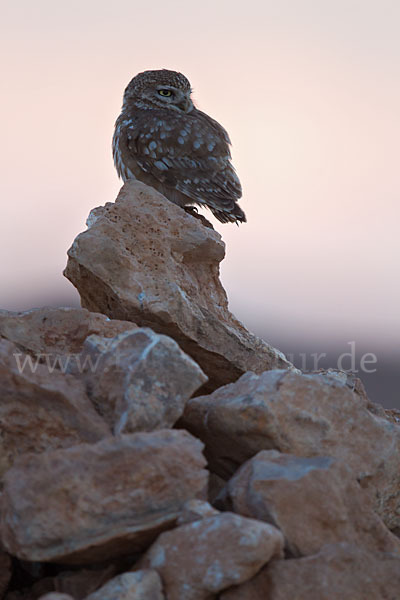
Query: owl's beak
{"type": "Point", "coordinates": [186, 105]}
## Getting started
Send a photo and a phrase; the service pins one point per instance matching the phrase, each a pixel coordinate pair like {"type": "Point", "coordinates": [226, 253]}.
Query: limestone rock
{"type": "Point", "coordinates": [40, 409]}
{"type": "Point", "coordinates": [338, 572]}
{"type": "Point", "coordinates": [313, 501]}
{"type": "Point", "coordinates": [5, 572]}
{"type": "Point", "coordinates": [146, 260]}
{"type": "Point", "coordinates": [51, 333]}
{"type": "Point", "coordinates": [141, 585]}
{"type": "Point", "coordinates": [101, 500]}
{"type": "Point", "coordinates": [141, 381]}
{"type": "Point", "coordinates": [194, 510]}
{"type": "Point", "coordinates": [206, 556]}
{"type": "Point", "coordinates": [305, 415]}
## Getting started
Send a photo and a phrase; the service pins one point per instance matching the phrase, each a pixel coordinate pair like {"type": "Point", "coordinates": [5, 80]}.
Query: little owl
{"type": "Point", "coordinates": [162, 139]}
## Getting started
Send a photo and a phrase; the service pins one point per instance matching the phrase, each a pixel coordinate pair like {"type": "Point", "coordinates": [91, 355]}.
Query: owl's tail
{"type": "Point", "coordinates": [234, 215]}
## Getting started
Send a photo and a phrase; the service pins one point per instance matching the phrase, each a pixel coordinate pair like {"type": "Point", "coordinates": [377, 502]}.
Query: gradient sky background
{"type": "Point", "coordinates": [309, 91]}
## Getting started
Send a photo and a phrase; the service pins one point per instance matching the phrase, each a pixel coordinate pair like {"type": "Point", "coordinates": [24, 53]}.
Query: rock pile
{"type": "Point", "coordinates": [152, 448]}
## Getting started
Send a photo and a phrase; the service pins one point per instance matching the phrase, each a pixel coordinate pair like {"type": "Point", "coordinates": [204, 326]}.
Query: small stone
{"type": "Point", "coordinates": [140, 585]}
{"type": "Point", "coordinates": [193, 510]}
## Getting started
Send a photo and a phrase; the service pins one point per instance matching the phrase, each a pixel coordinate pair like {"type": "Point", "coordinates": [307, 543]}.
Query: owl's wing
{"type": "Point", "coordinates": [189, 152]}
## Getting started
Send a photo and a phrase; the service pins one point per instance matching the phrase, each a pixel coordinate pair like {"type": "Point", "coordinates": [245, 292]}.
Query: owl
{"type": "Point", "coordinates": [163, 140]}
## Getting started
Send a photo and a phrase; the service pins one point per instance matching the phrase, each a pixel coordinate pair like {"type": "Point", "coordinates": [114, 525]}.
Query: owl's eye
{"type": "Point", "coordinates": [165, 93]}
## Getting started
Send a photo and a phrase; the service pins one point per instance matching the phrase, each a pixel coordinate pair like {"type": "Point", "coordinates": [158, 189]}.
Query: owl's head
{"type": "Point", "coordinates": [159, 89]}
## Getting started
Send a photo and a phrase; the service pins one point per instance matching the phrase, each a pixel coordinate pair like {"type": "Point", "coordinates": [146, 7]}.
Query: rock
{"type": "Point", "coordinates": [80, 584]}
{"type": "Point", "coordinates": [55, 333]}
{"type": "Point", "coordinates": [102, 500]}
{"type": "Point", "coordinates": [146, 260]}
{"type": "Point", "coordinates": [41, 410]}
{"type": "Point", "coordinates": [305, 415]}
{"type": "Point", "coordinates": [215, 485]}
{"type": "Point", "coordinates": [194, 510]}
{"type": "Point", "coordinates": [338, 572]}
{"type": "Point", "coordinates": [56, 596]}
{"type": "Point", "coordinates": [5, 572]}
{"type": "Point", "coordinates": [141, 585]}
{"type": "Point", "coordinates": [209, 555]}
{"type": "Point", "coordinates": [141, 381]}
{"type": "Point", "coordinates": [313, 501]}
{"type": "Point", "coordinates": [348, 379]}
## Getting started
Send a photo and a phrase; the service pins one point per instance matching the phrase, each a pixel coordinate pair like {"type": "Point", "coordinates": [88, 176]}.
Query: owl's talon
{"type": "Point", "coordinates": [191, 210]}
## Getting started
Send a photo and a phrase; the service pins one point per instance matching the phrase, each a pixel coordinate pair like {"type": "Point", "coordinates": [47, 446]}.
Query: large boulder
{"type": "Point", "coordinates": [313, 501]}
{"type": "Point", "coordinates": [92, 502]}
{"type": "Point", "coordinates": [146, 260]}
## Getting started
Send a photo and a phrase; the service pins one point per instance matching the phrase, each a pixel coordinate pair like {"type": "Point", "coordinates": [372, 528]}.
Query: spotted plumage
{"type": "Point", "coordinates": [162, 139]}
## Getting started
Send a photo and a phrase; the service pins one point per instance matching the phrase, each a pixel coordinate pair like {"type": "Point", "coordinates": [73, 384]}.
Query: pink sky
{"type": "Point", "coordinates": [309, 92]}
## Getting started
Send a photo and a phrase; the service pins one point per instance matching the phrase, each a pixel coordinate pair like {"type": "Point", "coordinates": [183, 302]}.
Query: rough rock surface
{"type": "Point", "coordinates": [275, 487]}
{"type": "Point", "coordinates": [305, 415]}
{"type": "Point", "coordinates": [56, 332]}
{"type": "Point", "coordinates": [102, 500]}
{"type": "Point", "coordinates": [141, 381]}
{"type": "Point", "coordinates": [338, 572]}
{"type": "Point", "coordinates": [194, 510]}
{"type": "Point", "coordinates": [206, 556]}
{"type": "Point", "coordinates": [141, 585]}
{"type": "Point", "coordinates": [145, 260]}
{"type": "Point", "coordinates": [40, 409]}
